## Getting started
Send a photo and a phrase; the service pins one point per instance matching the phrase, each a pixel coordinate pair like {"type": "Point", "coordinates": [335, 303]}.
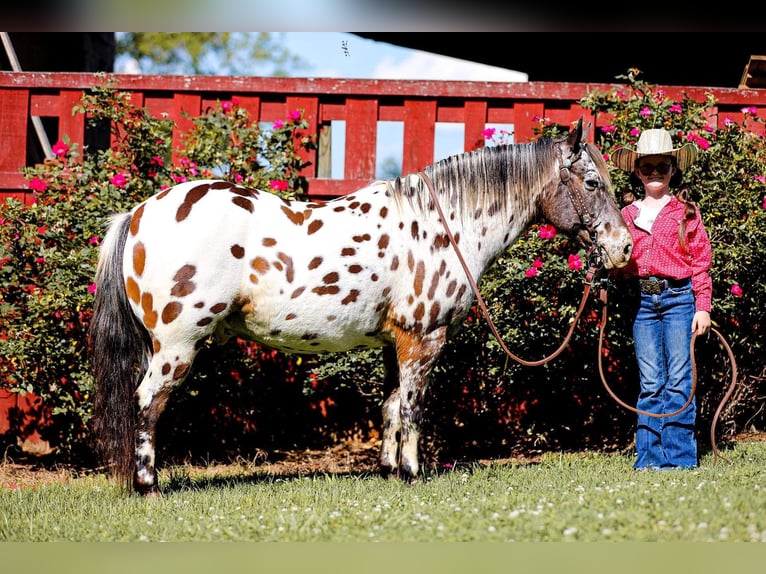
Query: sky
{"type": "Point", "coordinates": [344, 55]}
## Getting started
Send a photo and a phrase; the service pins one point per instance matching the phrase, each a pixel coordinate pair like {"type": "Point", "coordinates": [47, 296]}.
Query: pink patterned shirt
{"type": "Point", "coordinates": [660, 254]}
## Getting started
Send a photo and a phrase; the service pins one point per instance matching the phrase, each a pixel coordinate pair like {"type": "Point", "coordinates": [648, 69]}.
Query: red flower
{"type": "Point", "coordinates": [574, 261]}
{"type": "Point", "coordinates": [278, 185]}
{"type": "Point", "coordinates": [60, 148]}
{"type": "Point", "coordinates": [38, 185]}
{"type": "Point", "coordinates": [119, 180]}
{"type": "Point", "coordinates": [547, 231]}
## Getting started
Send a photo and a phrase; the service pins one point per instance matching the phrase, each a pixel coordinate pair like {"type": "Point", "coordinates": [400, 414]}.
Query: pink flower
{"type": "Point", "coordinates": [234, 101]}
{"type": "Point", "coordinates": [537, 264]}
{"type": "Point", "coordinates": [574, 262]}
{"type": "Point", "coordinates": [157, 160]}
{"type": "Point", "coordinates": [749, 110]}
{"type": "Point", "coordinates": [92, 288]}
{"type": "Point", "coordinates": [488, 133]}
{"type": "Point", "coordinates": [764, 202]}
{"type": "Point", "coordinates": [635, 131]}
{"type": "Point", "coordinates": [760, 178]}
{"type": "Point", "coordinates": [728, 122]}
{"type": "Point", "coordinates": [701, 142]}
{"type": "Point", "coordinates": [118, 180]}
{"type": "Point", "coordinates": [40, 260]}
{"type": "Point", "coordinates": [608, 129]}
{"type": "Point", "coordinates": [226, 106]}
{"type": "Point", "coordinates": [675, 108]}
{"type": "Point", "coordinates": [736, 290]}
{"type": "Point", "coordinates": [60, 148]}
{"type": "Point", "coordinates": [38, 185]}
{"type": "Point", "coordinates": [278, 185]}
{"type": "Point", "coordinates": [646, 112]}
{"type": "Point", "coordinates": [93, 240]}
{"type": "Point", "coordinates": [547, 231]}
{"type": "Point", "coordinates": [531, 272]}
{"type": "Point", "coordinates": [295, 115]}
{"type": "Point", "coordinates": [278, 125]}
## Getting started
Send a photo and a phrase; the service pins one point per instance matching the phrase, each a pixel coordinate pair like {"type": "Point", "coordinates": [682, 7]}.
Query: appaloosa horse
{"type": "Point", "coordinates": [375, 268]}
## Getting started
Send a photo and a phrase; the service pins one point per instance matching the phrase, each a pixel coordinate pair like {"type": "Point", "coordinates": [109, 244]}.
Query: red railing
{"type": "Point", "coordinates": [361, 104]}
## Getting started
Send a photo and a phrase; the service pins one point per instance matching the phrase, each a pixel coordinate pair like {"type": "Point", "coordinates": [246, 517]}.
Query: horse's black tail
{"type": "Point", "coordinates": [118, 344]}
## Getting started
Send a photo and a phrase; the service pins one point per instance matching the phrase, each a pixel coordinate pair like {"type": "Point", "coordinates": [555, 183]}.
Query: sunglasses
{"type": "Point", "coordinates": [649, 168]}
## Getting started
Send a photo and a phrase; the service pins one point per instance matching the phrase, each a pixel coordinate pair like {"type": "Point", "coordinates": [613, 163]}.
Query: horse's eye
{"type": "Point", "coordinates": [591, 184]}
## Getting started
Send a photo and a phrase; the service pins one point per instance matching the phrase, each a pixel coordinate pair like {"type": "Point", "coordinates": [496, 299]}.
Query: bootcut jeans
{"type": "Point", "coordinates": [662, 337]}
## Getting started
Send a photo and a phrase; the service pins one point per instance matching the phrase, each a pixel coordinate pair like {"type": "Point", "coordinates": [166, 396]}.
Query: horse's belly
{"type": "Point", "coordinates": [307, 328]}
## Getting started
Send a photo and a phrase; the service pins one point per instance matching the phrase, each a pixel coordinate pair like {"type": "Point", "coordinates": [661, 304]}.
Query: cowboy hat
{"type": "Point", "coordinates": [654, 142]}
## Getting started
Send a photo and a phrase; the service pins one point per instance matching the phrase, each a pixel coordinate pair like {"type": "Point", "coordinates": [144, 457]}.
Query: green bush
{"type": "Point", "coordinates": [241, 397]}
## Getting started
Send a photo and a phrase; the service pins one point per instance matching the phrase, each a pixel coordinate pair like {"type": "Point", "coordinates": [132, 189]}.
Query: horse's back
{"type": "Point", "coordinates": [299, 276]}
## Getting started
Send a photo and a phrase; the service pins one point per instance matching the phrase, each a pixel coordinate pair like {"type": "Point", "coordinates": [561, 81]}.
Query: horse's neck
{"type": "Point", "coordinates": [482, 239]}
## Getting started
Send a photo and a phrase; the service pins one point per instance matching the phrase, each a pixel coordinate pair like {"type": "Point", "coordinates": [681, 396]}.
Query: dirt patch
{"type": "Point", "coordinates": [347, 457]}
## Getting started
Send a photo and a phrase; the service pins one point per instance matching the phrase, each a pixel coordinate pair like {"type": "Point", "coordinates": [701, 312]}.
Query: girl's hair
{"type": "Point", "coordinates": [683, 193]}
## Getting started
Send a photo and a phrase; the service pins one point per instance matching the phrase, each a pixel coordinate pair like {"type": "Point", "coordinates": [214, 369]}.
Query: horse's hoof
{"type": "Point", "coordinates": [146, 490]}
{"type": "Point", "coordinates": [389, 473]}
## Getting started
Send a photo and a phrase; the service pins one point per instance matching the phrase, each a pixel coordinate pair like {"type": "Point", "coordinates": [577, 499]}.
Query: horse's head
{"type": "Point", "coordinates": [581, 202]}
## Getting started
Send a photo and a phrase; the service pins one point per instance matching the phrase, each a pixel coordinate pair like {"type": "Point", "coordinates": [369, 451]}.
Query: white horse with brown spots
{"type": "Point", "coordinates": [374, 268]}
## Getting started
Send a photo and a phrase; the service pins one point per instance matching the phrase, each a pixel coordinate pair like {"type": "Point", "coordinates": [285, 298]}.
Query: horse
{"type": "Point", "coordinates": [379, 267]}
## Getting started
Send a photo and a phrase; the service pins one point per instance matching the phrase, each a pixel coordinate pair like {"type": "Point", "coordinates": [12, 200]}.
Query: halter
{"type": "Point", "coordinates": [594, 255]}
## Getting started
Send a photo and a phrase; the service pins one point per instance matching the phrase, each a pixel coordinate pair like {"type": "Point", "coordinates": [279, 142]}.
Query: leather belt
{"type": "Point", "coordinates": [656, 285]}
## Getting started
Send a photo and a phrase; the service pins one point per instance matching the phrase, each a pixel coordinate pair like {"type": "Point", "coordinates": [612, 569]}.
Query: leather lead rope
{"type": "Point", "coordinates": [592, 270]}
{"type": "Point", "coordinates": [480, 299]}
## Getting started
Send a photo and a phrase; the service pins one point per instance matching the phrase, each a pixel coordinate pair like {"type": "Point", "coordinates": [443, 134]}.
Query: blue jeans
{"type": "Point", "coordinates": [662, 337]}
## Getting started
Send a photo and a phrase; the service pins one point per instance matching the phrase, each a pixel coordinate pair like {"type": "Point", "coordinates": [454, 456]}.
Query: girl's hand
{"type": "Point", "coordinates": [701, 322]}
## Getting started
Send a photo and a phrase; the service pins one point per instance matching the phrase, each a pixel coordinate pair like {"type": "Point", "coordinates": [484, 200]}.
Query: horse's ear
{"type": "Point", "coordinates": [575, 137]}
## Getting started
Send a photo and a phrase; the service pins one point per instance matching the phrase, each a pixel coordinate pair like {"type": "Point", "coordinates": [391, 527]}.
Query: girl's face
{"type": "Point", "coordinates": [655, 172]}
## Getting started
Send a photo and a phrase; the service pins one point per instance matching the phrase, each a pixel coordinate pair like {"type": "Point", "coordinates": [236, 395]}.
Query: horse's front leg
{"type": "Point", "coordinates": [165, 372]}
{"type": "Point", "coordinates": [416, 354]}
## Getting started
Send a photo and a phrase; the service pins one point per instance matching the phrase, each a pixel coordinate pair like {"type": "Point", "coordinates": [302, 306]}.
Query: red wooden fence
{"type": "Point", "coordinates": [361, 104]}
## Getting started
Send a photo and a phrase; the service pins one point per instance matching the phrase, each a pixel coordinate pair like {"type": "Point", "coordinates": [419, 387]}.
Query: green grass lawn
{"type": "Point", "coordinates": [564, 497]}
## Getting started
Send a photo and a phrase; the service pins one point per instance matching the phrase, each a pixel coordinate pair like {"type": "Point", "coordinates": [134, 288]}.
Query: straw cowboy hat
{"type": "Point", "coordinates": [654, 142]}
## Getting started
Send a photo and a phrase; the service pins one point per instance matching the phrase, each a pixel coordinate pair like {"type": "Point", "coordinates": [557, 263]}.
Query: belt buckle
{"type": "Point", "coordinates": [651, 286]}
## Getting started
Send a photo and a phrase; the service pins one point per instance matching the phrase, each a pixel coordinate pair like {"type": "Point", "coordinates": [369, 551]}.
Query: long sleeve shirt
{"type": "Point", "coordinates": [659, 253]}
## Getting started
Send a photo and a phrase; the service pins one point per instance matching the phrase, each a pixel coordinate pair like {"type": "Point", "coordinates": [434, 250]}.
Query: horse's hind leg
{"type": "Point", "coordinates": [392, 422]}
{"type": "Point", "coordinates": [167, 369]}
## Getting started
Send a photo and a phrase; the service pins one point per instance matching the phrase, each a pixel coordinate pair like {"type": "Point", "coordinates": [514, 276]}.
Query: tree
{"type": "Point", "coordinates": [219, 53]}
